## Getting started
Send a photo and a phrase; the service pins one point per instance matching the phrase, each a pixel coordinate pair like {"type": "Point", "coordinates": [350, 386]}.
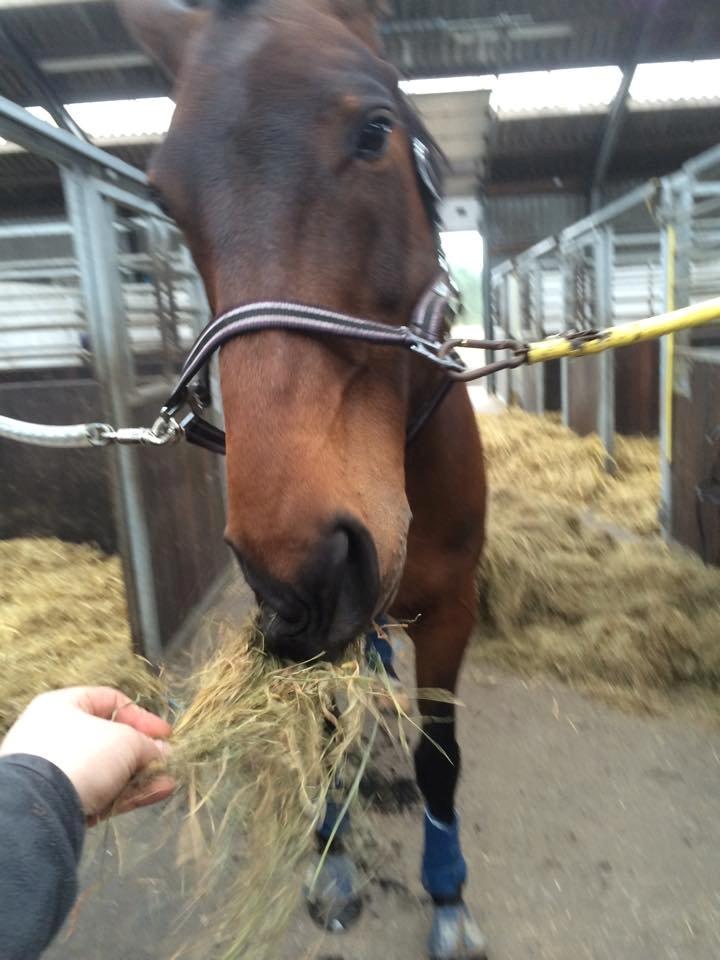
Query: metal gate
{"type": "Point", "coordinates": [98, 307]}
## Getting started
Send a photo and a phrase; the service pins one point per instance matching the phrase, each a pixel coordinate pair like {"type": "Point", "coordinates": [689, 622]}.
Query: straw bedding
{"type": "Point", "coordinates": [63, 622]}
{"type": "Point", "coordinates": [563, 592]}
{"type": "Point", "coordinates": [537, 455]}
{"type": "Point", "coordinates": [562, 587]}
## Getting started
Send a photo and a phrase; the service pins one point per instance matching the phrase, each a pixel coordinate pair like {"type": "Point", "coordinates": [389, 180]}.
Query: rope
{"type": "Point", "coordinates": [42, 435]}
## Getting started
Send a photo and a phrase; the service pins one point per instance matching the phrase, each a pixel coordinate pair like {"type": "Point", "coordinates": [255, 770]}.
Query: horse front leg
{"type": "Point", "coordinates": [332, 884]}
{"type": "Point", "coordinates": [440, 639]}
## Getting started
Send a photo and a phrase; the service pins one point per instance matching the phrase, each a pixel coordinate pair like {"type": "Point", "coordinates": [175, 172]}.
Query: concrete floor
{"type": "Point", "coordinates": [589, 833]}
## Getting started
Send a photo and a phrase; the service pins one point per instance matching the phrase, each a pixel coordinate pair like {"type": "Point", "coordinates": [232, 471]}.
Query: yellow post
{"type": "Point", "coordinates": [670, 348]}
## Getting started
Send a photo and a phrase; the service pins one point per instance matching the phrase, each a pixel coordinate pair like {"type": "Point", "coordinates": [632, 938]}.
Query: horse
{"type": "Point", "coordinates": [355, 475]}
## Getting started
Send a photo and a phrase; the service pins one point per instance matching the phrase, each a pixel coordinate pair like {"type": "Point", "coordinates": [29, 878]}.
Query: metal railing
{"type": "Point", "coordinates": [655, 249]}
{"type": "Point", "coordinates": [110, 294]}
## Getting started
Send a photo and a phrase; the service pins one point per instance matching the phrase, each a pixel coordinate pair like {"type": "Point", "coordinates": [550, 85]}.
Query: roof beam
{"type": "Point", "coordinates": [25, 4]}
{"type": "Point", "coordinates": [618, 108]}
{"type": "Point", "coordinates": [38, 82]}
{"type": "Point", "coordinates": [610, 135]}
{"type": "Point", "coordinates": [124, 60]}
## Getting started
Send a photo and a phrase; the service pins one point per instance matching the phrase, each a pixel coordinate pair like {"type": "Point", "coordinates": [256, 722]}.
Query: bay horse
{"type": "Point", "coordinates": [290, 168]}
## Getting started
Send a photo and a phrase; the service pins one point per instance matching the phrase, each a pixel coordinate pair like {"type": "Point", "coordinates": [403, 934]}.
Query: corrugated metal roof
{"type": "Point", "coordinates": [424, 38]}
{"type": "Point", "coordinates": [88, 55]}
{"type": "Point", "coordinates": [651, 143]}
{"type": "Point", "coordinates": [542, 34]}
{"type": "Point", "coordinates": [76, 32]}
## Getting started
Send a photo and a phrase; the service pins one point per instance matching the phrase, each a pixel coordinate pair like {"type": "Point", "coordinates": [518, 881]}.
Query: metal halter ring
{"type": "Point", "coordinates": [518, 359]}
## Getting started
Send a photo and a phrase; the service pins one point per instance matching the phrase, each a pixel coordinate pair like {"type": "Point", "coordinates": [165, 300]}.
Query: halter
{"type": "Point", "coordinates": [425, 335]}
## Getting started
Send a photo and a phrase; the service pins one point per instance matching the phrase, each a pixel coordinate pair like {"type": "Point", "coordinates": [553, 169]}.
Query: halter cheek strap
{"type": "Point", "coordinates": [424, 335]}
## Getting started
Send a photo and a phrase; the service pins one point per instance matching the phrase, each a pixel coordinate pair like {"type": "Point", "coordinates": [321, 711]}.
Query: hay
{"type": "Point", "coordinates": [63, 622]}
{"type": "Point", "coordinates": [260, 748]}
{"type": "Point", "coordinates": [539, 455]}
{"type": "Point", "coordinates": [603, 610]}
{"type": "Point", "coordinates": [256, 751]}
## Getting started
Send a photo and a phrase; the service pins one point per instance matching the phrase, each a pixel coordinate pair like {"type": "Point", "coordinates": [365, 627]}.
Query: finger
{"type": "Point", "coordinates": [143, 721]}
{"type": "Point", "coordinates": [147, 751]}
{"type": "Point", "coordinates": [110, 704]}
{"type": "Point", "coordinates": [158, 789]}
{"type": "Point", "coordinates": [132, 798]}
{"type": "Point", "coordinates": [103, 702]}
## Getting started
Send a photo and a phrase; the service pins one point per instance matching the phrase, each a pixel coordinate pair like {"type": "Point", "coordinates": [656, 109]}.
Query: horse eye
{"type": "Point", "coordinates": [372, 140]}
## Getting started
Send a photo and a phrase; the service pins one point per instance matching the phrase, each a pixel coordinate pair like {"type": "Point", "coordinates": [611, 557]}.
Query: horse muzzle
{"type": "Point", "coordinates": [331, 601]}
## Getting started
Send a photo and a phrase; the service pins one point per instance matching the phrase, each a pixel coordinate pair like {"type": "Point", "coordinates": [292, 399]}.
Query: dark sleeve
{"type": "Point", "coordinates": [41, 834]}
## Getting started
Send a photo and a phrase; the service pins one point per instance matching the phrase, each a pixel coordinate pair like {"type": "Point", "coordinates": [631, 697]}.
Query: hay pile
{"type": "Point", "coordinates": [63, 622]}
{"type": "Point", "coordinates": [605, 612]}
{"type": "Point", "coordinates": [538, 455]}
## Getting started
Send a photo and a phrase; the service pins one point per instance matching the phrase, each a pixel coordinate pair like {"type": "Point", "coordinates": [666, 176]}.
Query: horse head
{"type": "Point", "coordinates": [289, 167]}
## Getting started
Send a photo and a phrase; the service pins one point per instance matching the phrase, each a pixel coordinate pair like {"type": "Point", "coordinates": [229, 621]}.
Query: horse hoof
{"type": "Point", "coordinates": [455, 935]}
{"type": "Point", "coordinates": [331, 893]}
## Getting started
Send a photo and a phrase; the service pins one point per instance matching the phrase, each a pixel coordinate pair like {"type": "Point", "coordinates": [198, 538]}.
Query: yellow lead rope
{"type": "Point", "coordinates": [624, 334]}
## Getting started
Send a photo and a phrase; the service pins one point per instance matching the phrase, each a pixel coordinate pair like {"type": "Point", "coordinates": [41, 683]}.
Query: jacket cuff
{"type": "Point", "coordinates": [57, 789]}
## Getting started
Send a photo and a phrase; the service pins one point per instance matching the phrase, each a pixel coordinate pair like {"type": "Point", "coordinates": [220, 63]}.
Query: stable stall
{"type": "Point", "coordinates": [655, 249]}
{"type": "Point", "coordinates": [98, 305]}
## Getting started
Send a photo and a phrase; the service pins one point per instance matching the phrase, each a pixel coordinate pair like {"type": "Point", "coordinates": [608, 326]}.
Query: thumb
{"type": "Point", "coordinates": [146, 750]}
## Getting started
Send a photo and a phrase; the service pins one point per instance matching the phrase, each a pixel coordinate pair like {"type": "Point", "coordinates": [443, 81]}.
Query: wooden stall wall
{"type": "Point", "coordinates": [637, 389]}
{"type": "Point", "coordinates": [537, 389]}
{"type": "Point", "coordinates": [182, 496]}
{"type": "Point", "coordinates": [695, 520]}
{"type": "Point", "coordinates": [48, 492]}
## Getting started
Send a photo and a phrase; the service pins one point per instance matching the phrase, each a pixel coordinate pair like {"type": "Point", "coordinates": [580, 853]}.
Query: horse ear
{"type": "Point", "coordinates": [163, 27]}
{"type": "Point", "coordinates": [362, 18]}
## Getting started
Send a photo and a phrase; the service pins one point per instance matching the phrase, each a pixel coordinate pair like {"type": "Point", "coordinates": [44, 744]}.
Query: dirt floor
{"type": "Point", "coordinates": [589, 833]}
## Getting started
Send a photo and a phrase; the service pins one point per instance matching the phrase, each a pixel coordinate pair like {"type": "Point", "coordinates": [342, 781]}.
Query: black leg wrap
{"type": "Point", "coordinates": [438, 770]}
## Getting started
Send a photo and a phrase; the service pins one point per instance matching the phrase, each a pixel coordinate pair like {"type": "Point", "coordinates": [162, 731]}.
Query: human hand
{"type": "Point", "coordinates": [100, 740]}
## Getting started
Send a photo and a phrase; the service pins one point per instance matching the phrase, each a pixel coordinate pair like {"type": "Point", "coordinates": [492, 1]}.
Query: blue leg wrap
{"type": "Point", "coordinates": [444, 870]}
{"type": "Point", "coordinates": [332, 815]}
{"type": "Point", "coordinates": [378, 646]}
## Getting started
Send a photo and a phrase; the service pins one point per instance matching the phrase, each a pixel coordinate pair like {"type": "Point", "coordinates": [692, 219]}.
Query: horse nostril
{"type": "Point", "coordinates": [330, 600]}
{"type": "Point", "coordinates": [352, 579]}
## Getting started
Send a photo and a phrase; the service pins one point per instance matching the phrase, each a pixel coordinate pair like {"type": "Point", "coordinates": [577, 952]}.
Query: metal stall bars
{"type": "Point", "coordinates": [138, 304]}
{"type": "Point", "coordinates": [691, 360]}
{"type": "Point", "coordinates": [527, 302]}
{"type": "Point", "coordinates": [654, 249]}
{"type": "Point", "coordinates": [600, 271]}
